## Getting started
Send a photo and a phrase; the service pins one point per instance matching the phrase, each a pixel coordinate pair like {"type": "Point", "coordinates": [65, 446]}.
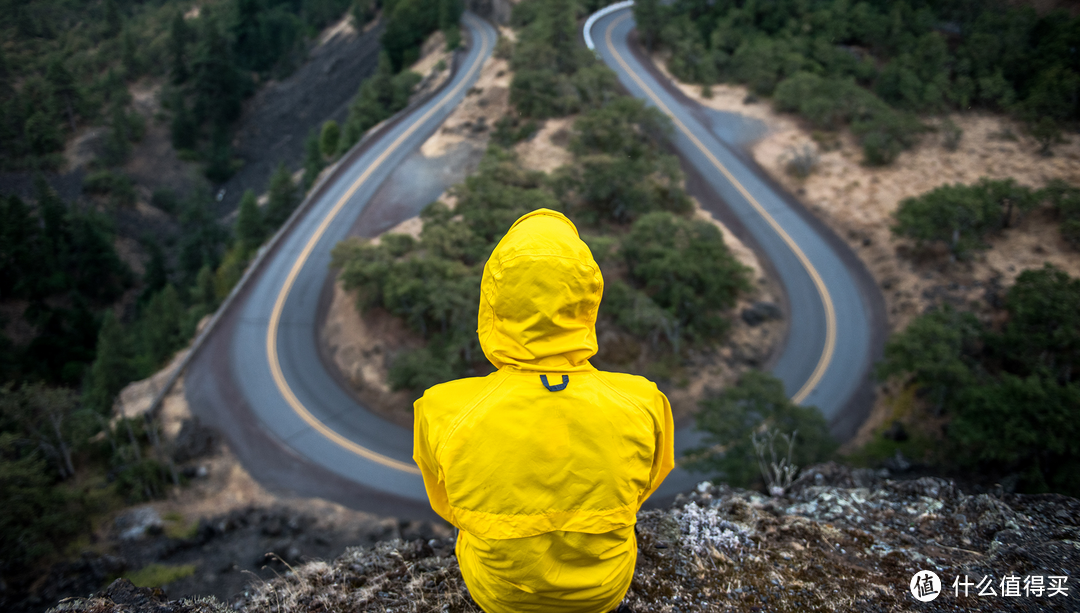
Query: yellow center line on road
{"type": "Point", "coordinates": [823, 292]}
{"type": "Point", "coordinates": [279, 305]}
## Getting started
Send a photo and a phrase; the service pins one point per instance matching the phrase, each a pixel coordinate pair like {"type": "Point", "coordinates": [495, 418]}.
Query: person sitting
{"type": "Point", "coordinates": [543, 464]}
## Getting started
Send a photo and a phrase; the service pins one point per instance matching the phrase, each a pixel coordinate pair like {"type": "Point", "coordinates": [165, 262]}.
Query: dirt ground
{"type": "Point", "coordinates": [858, 202]}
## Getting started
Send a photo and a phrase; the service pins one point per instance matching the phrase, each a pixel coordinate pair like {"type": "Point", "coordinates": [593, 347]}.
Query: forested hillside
{"type": "Point", "coordinates": [89, 301]}
{"type": "Point", "coordinates": [877, 66]}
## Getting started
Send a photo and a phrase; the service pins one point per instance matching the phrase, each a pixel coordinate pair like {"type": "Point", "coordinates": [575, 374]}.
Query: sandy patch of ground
{"type": "Point", "coordinates": [485, 103]}
{"type": "Point", "coordinates": [344, 27]}
{"type": "Point", "coordinates": [546, 150]}
{"type": "Point", "coordinates": [858, 203]}
{"type": "Point", "coordinates": [433, 65]}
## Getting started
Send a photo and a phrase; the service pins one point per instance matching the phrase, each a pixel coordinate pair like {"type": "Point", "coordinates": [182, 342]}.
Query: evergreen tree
{"type": "Point", "coordinates": [183, 129]}
{"type": "Point", "coordinates": [64, 89]}
{"type": "Point", "coordinates": [38, 518]}
{"type": "Point", "coordinates": [219, 166]}
{"type": "Point", "coordinates": [329, 139]}
{"type": "Point", "coordinates": [159, 330]}
{"type": "Point", "coordinates": [19, 244]}
{"type": "Point", "coordinates": [449, 14]}
{"type": "Point", "coordinates": [41, 132]}
{"type": "Point", "coordinates": [218, 85]}
{"type": "Point", "coordinates": [204, 292]}
{"type": "Point", "coordinates": [249, 225]}
{"type": "Point", "coordinates": [117, 147]}
{"type": "Point", "coordinates": [156, 275]}
{"type": "Point", "coordinates": [313, 165]}
{"type": "Point", "coordinates": [93, 267]}
{"type": "Point", "coordinates": [247, 36]}
{"type": "Point", "coordinates": [54, 241]}
{"type": "Point", "coordinates": [7, 86]}
{"type": "Point", "coordinates": [179, 36]}
{"type": "Point", "coordinates": [201, 238]}
{"type": "Point", "coordinates": [647, 15]}
{"type": "Point", "coordinates": [111, 369]}
{"type": "Point", "coordinates": [283, 197]}
{"type": "Point", "coordinates": [229, 273]}
{"type": "Point", "coordinates": [113, 21]}
{"type": "Point", "coordinates": [129, 54]}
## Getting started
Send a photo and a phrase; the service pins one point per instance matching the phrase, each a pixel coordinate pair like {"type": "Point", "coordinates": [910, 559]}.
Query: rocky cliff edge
{"type": "Point", "coordinates": [839, 540]}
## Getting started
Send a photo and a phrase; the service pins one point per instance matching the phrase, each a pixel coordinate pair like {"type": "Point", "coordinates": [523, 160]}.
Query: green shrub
{"type": "Point", "coordinates": [510, 130]}
{"type": "Point", "coordinates": [329, 139]}
{"type": "Point", "coordinates": [938, 350]}
{"type": "Point", "coordinates": [729, 418]}
{"type": "Point", "coordinates": [1010, 395]}
{"type": "Point", "coordinates": [553, 76]}
{"type": "Point", "coordinates": [619, 172]}
{"type": "Point", "coordinates": [119, 188]}
{"type": "Point", "coordinates": [961, 215]}
{"type": "Point", "coordinates": [685, 268]}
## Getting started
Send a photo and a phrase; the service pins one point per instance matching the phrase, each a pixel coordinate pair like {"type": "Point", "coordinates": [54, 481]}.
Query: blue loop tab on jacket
{"type": "Point", "coordinates": [555, 388]}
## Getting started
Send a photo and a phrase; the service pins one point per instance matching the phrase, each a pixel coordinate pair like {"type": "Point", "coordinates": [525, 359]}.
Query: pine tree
{"type": "Point", "coordinates": [329, 139]}
{"type": "Point", "coordinates": [54, 241]}
{"type": "Point", "coordinates": [179, 35]}
{"type": "Point", "coordinates": [283, 197]}
{"type": "Point", "coordinates": [313, 161]}
{"type": "Point", "coordinates": [157, 273]}
{"type": "Point", "coordinates": [117, 147]}
{"type": "Point", "coordinates": [111, 369]}
{"type": "Point", "coordinates": [129, 54]}
{"type": "Point", "coordinates": [219, 165]}
{"type": "Point", "coordinates": [159, 329]}
{"type": "Point", "coordinates": [449, 14]}
{"type": "Point", "coordinates": [204, 293]}
{"type": "Point", "coordinates": [183, 130]}
{"type": "Point", "coordinates": [218, 84]}
{"type": "Point", "coordinates": [19, 243]}
{"type": "Point", "coordinates": [63, 85]}
{"type": "Point", "coordinates": [249, 224]}
{"type": "Point", "coordinates": [247, 34]}
{"type": "Point", "coordinates": [649, 19]}
{"type": "Point", "coordinates": [113, 20]}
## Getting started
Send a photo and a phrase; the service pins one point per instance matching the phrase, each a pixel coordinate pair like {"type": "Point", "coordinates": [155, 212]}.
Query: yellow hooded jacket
{"type": "Point", "coordinates": [543, 464]}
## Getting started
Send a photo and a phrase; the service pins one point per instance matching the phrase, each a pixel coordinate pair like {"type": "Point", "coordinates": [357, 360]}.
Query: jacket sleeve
{"type": "Point", "coordinates": [664, 452]}
{"type": "Point", "coordinates": [424, 457]}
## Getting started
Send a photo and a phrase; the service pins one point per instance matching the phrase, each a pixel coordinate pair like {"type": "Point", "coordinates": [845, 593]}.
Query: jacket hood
{"type": "Point", "coordinates": [539, 296]}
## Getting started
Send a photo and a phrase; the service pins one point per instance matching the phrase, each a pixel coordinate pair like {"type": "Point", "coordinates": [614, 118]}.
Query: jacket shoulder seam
{"type": "Point", "coordinates": [637, 403]}
{"type": "Point", "coordinates": [469, 408]}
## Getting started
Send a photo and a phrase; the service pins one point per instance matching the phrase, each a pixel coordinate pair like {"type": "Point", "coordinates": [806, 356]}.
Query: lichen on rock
{"type": "Point", "coordinates": [838, 540]}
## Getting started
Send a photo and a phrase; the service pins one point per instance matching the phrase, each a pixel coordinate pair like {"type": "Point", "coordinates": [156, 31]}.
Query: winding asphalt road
{"type": "Point", "coordinates": [260, 378]}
